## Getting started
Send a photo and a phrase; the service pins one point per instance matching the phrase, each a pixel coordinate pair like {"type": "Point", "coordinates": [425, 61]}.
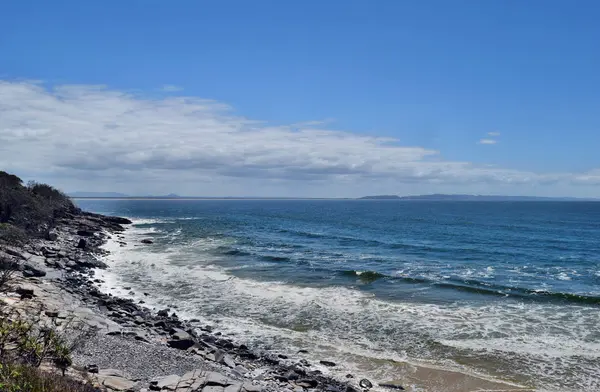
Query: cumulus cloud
{"type": "Point", "coordinates": [493, 134]}
{"type": "Point", "coordinates": [487, 141]}
{"type": "Point", "coordinates": [95, 132]}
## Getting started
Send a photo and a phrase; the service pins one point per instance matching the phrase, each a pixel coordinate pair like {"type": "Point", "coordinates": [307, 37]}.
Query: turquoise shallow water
{"type": "Point", "coordinates": [510, 289]}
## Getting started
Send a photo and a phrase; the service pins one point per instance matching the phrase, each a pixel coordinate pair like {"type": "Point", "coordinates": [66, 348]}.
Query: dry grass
{"type": "Point", "coordinates": [24, 378]}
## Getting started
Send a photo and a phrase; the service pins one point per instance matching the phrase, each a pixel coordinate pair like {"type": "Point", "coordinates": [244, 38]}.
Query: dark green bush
{"type": "Point", "coordinates": [32, 208]}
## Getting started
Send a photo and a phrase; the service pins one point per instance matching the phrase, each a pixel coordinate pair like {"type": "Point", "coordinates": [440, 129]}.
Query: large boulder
{"type": "Point", "coordinates": [52, 235]}
{"type": "Point", "coordinates": [33, 270]}
{"type": "Point", "coordinates": [181, 344]}
{"type": "Point", "coordinates": [116, 383]}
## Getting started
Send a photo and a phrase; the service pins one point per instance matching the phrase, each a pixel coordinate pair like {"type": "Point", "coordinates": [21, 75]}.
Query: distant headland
{"type": "Point", "coordinates": [445, 197]}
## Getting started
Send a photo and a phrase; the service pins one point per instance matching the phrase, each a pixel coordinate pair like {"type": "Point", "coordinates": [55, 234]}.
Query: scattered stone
{"type": "Point", "coordinates": [85, 233]}
{"type": "Point", "coordinates": [147, 241]}
{"type": "Point", "coordinates": [364, 383]}
{"type": "Point", "coordinates": [82, 244]}
{"type": "Point", "coordinates": [51, 313]}
{"type": "Point", "coordinates": [91, 368]}
{"type": "Point", "coordinates": [349, 376]}
{"type": "Point", "coordinates": [227, 360]}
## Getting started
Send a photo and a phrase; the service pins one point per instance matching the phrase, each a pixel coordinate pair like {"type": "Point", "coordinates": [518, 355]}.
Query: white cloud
{"type": "Point", "coordinates": [493, 134]}
{"type": "Point", "coordinates": [94, 137]}
{"type": "Point", "coordinates": [171, 88]}
{"type": "Point", "coordinates": [487, 141]}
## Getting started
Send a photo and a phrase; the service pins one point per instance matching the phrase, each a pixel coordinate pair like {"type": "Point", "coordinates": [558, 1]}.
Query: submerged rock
{"type": "Point", "coordinates": [391, 385]}
{"type": "Point", "coordinates": [147, 241]}
{"type": "Point", "coordinates": [327, 363]}
{"type": "Point", "coordinates": [364, 383]}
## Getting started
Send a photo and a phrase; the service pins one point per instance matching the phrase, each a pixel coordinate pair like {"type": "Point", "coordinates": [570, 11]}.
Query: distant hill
{"type": "Point", "coordinates": [382, 197]}
{"type": "Point", "coordinates": [97, 194]}
{"type": "Point", "coordinates": [444, 197]}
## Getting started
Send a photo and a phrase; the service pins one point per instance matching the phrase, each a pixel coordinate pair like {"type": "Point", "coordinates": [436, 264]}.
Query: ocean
{"type": "Point", "coordinates": [498, 290]}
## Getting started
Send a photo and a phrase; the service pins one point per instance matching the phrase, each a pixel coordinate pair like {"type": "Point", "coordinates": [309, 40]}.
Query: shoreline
{"type": "Point", "coordinates": [185, 345]}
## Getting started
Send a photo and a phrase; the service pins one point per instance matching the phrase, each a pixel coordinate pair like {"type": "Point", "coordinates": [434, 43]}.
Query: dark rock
{"type": "Point", "coordinates": [283, 356]}
{"type": "Point", "coordinates": [163, 313]}
{"type": "Point", "coordinates": [52, 235]}
{"type": "Point", "coordinates": [302, 351]}
{"type": "Point", "coordinates": [91, 368]}
{"type": "Point", "coordinates": [85, 233]}
{"type": "Point", "coordinates": [82, 244]}
{"type": "Point", "coordinates": [14, 253]}
{"type": "Point", "coordinates": [162, 324]}
{"type": "Point", "coordinates": [147, 241]}
{"type": "Point", "coordinates": [24, 292]}
{"type": "Point", "coordinates": [228, 361]}
{"type": "Point", "coordinates": [117, 220]}
{"type": "Point", "coordinates": [392, 386]}
{"type": "Point", "coordinates": [327, 363]}
{"type": "Point", "coordinates": [181, 344]}
{"type": "Point", "coordinates": [364, 383]}
{"type": "Point", "coordinates": [179, 334]}
{"type": "Point", "coordinates": [292, 375]}
{"type": "Point", "coordinates": [51, 313]}
{"type": "Point", "coordinates": [349, 376]}
{"type": "Point", "coordinates": [307, 383]}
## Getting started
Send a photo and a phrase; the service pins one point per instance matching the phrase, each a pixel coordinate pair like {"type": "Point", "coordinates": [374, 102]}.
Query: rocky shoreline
{"type": "Point", "coordinates": [134, 348]}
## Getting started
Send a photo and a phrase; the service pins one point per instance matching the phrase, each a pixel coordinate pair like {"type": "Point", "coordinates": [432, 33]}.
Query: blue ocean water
{"type": "Point", "coordinates": [505, 289]}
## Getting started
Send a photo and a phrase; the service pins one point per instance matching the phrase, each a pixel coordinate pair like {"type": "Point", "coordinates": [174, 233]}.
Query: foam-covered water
{"type": "Point", "coordinates": [506, 290]}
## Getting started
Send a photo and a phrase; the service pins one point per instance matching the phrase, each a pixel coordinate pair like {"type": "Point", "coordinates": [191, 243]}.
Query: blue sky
{"type": "Point", "coordinates": [437, 77]}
